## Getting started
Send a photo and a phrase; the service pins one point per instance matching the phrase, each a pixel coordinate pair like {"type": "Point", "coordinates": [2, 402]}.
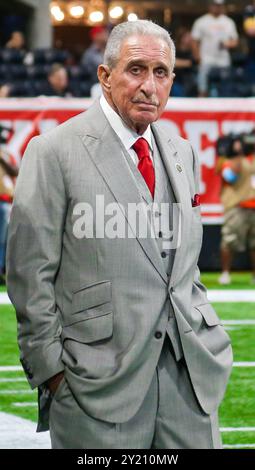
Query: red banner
{"type": "Point", "coordinates": [201, 121]}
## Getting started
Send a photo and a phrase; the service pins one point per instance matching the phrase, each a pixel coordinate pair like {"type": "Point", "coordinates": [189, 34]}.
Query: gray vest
{"type": "Point", "coordinates": [163, 194]}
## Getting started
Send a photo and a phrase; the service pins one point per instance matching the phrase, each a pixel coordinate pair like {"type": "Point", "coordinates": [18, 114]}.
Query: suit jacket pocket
{"type": "Point", "coordinates": [91, 316]}
{"type": "Point", "coordinates": [208, 313]}
{"type": "Point", "coordinates": [91, 329]}
{"type": "Point", "coordinates": [92, 295]}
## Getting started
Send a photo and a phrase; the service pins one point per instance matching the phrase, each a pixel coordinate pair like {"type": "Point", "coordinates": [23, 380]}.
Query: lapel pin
{"type": "Point", "coordinates": [178, 167]}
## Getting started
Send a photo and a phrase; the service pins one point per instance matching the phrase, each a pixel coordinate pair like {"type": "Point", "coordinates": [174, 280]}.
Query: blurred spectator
{"type": "Point", "coordinates": [5, 90]}
{"type": "Point", "coordinates": [8, 172]}
{"type": "Point", "coordinates": [16, 41]}
{"type": "Point", "coordinates": [238, 199]}
{"type": "Point", "coordinates": [57, 82]}
{"type": "Point", "coordinates": [94, 55]}
{"type": "Point", "coordinates": [185, 80]}
{"type": "Point", "coordinates": [214, 35]}
{"type": "Point", "coordinates": [249, 28]}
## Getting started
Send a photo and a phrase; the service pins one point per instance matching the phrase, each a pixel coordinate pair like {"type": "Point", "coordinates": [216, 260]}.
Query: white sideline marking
{"type": "Point", "coordinates": [16, 392]}
{"type": "Point", "coordinates": [239, 446]}
{"type": "Point", "coordinates": [231, 328]}
{"type": "Point", "coordinates": [238, 322]}
{"type": "Point", "coordinates": [9, 379]}
{"type": "Point", "coordinates": [21, 379]}
{"type": "Point", "coordinates": [25, 404]}
{"type": "Point", "coordinates": [228, 295]}
{"type": "Point", "coordinates": [4, 298]}
{"type": "Point", "coordinates": [214, 295]}
{"type": "Point", "coordinates": [242, 429]}
{"type": "Point", "coordinates": [244, 364]}
{"type": "Point", "coordinates": [20, 433]}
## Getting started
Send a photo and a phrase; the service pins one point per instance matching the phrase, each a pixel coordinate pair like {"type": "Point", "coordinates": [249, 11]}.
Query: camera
{"type": "Point", "coordinates": [4, 134]}
{"type": "Point", "coordinates": [236, 145]}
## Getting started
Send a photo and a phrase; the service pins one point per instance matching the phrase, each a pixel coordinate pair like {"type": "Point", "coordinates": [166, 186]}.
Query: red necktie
{"type": "Point", "coordinates": [145, 165]}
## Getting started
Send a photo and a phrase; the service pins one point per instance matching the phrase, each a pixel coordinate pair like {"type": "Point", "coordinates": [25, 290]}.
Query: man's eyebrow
{"type": "Point", "coordinates": [136, 62]}
{"type": "Point", "coordinates": [143, 63]}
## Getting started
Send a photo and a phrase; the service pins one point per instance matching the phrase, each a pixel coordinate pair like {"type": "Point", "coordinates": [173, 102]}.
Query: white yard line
{"type": "Point", "coordinates": [238, 322]}
{"type": "Point", "coordinates": [16, 392]}
{"type": "Point", "coordinates": [21, 379]}
{"type": "Point", "coordinates": [244, 364]}
{"type": "Point", "coordinates": [228, 295]}
{"type": "Point", "coordinates": [19, 433]}
{"type": "Point", "coordinates": [25, 404]}
{"type": "Point", "coordinates": [239, 446]}
{"type": "Point", "coordinates": [4, 298]}
{"type": "Point", "coordinates": [214, 295]}
{"type": "Point", "coordinates": [9, 379]}
{"type": "Point", "coordinates": [241, 429]}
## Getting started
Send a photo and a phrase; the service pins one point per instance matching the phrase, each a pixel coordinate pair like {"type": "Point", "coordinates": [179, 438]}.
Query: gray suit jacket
{"type": "Point", "coordinates": [91, 306]}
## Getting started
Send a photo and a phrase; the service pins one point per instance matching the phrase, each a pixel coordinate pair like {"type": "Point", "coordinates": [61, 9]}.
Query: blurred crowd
{"type": "Point", "coordinates": [213, 60]}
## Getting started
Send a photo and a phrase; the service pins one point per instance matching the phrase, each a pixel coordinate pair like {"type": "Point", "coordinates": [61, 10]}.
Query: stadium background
{"type": "Point", "coordinates": [234, 304]}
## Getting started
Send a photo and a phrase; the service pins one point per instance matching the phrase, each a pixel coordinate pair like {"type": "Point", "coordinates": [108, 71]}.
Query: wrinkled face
{"type": "Point", "coordinates": [138, 86]}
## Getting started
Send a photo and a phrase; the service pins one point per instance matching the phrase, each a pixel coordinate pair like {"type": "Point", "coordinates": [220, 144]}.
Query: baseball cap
{"type": "Point", "coordinates": [95, 31]}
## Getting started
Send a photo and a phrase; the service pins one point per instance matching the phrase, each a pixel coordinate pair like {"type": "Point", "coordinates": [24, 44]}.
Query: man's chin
{"type": "Point", "coordinates": [146, 117]}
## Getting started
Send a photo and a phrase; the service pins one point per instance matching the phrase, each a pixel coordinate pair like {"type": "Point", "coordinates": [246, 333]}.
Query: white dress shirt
{"type": "Point", "coordinates": [127, 136]}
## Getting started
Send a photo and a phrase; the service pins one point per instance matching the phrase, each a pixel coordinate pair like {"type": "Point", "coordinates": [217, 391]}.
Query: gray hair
{"type": "Point", "coordinates": [130, 28]}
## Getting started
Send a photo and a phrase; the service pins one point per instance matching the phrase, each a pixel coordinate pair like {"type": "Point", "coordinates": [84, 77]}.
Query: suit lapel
{"type": "Point", "coordinates": [182, 218]}
{"type": "Point", "coordinates": [104, 148]}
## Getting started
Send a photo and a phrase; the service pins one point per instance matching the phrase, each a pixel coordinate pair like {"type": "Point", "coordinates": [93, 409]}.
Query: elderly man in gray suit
{"type": "Point", "coordinates": [114, 325]}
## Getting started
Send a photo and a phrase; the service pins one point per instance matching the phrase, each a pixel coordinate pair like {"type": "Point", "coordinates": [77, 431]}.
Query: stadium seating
{"type": "Point", "coordinates": [49, 56]}
{"type": "Point", "coordinates": [11, 56]}
{"type": "Point", "coordinates": [228, 82]}
{"type": "Point", "coordinates": [28, 77]}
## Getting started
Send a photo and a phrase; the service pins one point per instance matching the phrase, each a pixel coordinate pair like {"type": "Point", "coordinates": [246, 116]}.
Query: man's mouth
{"type": "Point", "coordinates": [148, 105]}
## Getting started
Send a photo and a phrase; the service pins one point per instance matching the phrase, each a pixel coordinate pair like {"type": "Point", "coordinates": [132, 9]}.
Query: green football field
{"type": "Point", "coordinates": [237, 412]}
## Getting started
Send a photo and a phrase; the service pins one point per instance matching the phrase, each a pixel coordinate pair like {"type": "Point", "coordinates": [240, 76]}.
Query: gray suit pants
{"type": "Point", "coordinates": [170, 416]}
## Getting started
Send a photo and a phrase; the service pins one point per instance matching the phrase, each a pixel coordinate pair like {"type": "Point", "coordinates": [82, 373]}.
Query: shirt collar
{"type": "Point", "coordinates": [127, 136]}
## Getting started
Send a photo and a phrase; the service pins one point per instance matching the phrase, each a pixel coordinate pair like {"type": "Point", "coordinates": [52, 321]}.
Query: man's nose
{"type": "Point", "coordinates": [149, 85]}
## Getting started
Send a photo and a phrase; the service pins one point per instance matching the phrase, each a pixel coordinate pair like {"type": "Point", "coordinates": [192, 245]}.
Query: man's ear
{"type": "Point", "coordinates": [104, 77]}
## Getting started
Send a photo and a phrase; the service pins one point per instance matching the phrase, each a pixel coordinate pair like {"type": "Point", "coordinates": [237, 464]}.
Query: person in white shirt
{"type": "Point", "coordinates": [214, 35]}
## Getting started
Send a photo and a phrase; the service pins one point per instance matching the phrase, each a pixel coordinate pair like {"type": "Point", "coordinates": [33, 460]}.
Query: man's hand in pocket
{"type": "Point", "coordinates": [54, 382]}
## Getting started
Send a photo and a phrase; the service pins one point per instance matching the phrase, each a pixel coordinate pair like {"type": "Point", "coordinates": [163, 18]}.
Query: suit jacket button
{"type": "Point", "coordinates": [158, 334]}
